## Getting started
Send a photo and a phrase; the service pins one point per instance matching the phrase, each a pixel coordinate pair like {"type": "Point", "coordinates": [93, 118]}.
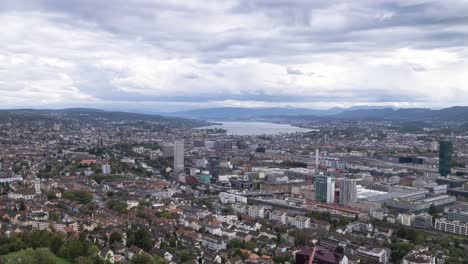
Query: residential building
{"type": "Point", "coordinates": [454, 227]}
{"type": "Point", "coordinates": [214, 243]}
{"type": "Point", "coordinates": [225, 197]}
{"type": "Point", "coordinates": [256, 211]}
{"type": "Point", "coordinates": [423, 256]}
{"type": "Point", "coordinates": [406, 219]}
{"type": "Point", "coordinates": [106, 169]}
{"type": "Point", "coordinates": [377, 255]}
{"type": "Point", "coordinates": [278, 216]}
{"type": "Point", "coordinates": [348, 191]}
{"type": "Point", "coordinates": [299, 221]}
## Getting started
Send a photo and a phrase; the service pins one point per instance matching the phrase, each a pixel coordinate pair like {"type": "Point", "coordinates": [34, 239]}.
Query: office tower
{"type": "Point", "coordinates": [100, 142]}
{"type": "Point", "coordinates": [214, 164]}
{"type": "Point", "coordinates": [434, 145]}
{"type": "Point", "coordinates": [317, 154]}
{"type": "Point", "coordinates": [167, 150]}
{"type": "Point", "coordinates": [445, 156]}
{"type": "Point", "coordinates": [106, 169]}
{"type": "Point", "coordinates": [325, 189]}
{"type": "Point", "coordinates": [179, 156]}
{"type": "Point", "coordinates": [423, 221]}
{"type": "Point", "coordinates": [348, 191]}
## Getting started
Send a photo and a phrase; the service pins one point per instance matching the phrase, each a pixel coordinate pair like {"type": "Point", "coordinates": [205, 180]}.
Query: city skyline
{"type": "Point", "coordinates": [171, 56]}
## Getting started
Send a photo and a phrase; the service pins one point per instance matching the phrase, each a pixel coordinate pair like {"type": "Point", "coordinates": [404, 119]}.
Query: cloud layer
{"type": "Point", "coordinates": [175, 54]}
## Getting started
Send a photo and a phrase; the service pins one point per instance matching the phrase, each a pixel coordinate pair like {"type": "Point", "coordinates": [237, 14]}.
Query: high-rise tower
{"type": "Point", "coordinates": [348, 191]}
{"type": "Point", "coordinates": [178, 156]}
{"type": "Point", "coordinates": [325, 189]}
{"type": "Point", "coordinates": [445, 156]}
{"type": "Point", "coordinates": [214, 164]}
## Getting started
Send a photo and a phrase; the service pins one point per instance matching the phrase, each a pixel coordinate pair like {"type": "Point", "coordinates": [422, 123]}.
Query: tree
{"type": "Point", "coordinates": [340, 250]}
{"type": "Point", "coordinates": [115, 237]}
{"type": "Point", "coordinates": [44, 256]}
{"type": "Point", "coordinates": [24, 256]}
{"type": "Point", "coordinates": [79, 196]}
{"type": "Point", "coordinates": [432, 210]}
{"type": "Point", "coordinates": [93, 251]}
{"type": "Point", "coordinates": [142, 259]}
{"type": "Point", "coordinates": [31, 256]}
{"type": "Point", "coordinates": [84, 260]}
{"type": "Point", "coordinates": [159, 260]}
{"type": "Point", "coordinates": [140, 237]}
{"type": "Point", "coordinates": [73, 249]}
{"type": "Point", "coordinates": [186, 255]}
{"type": "Point", "coordinates": [234, 243]}
{"type": "Point", "coordinates": [118, 206]}
{"type": "Point", "coordinates": [399, 250]}
{"type": "Point", "coordinates": [164, 214]}
{"type": "Point", "coordinates": [53, 216]}
{"type": "Point", "coordinates": [228, 209]}
{"type": "Point", "coordinates": [250, 245]}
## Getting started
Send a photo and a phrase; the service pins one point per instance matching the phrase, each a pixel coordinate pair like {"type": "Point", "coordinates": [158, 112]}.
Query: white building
{"type": "Point", "coordinates": [106, 169]}
{"type": "Point", "coordinates": [132, 203]}
{"type": "Point", "coordinates": [225, 197]}
{"type": "Point", "coordinates": [11, 179]}
{"type": "Point", "coordinates": [213, 242]}
{"type": "Point", "coordinates": [419, 257]}
{"type": "Point", "coordinates": [380, 214]}
{"type": "Point", "coordinates": [22, 195]}
{"type": "Point", "coordinates": [256, 211]}
{"type": "Point", "coordinates": [278, 216]}
{"type": "Point", "coordinates": [454, 227]}
{"type": "Point", "coordinates": [378, 255]}
{"type": "Point", "coordinates": [406, 219]}
{"type": "Point", "coordinates": [299, 221]}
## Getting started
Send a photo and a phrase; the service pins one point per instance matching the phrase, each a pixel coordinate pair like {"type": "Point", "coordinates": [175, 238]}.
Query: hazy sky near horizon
{"type": "Point", "coordinates": [179, 54]}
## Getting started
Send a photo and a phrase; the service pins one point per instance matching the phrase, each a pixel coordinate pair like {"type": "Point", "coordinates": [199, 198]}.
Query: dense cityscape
{"type": "Point", "coordinates": [234, 132]}
{"type": "Point", "coordinates": [93, 188]}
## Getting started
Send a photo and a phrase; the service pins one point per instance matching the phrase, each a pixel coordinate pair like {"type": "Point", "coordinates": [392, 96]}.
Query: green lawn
{"type": "Point", "coordinates": [9, 256]}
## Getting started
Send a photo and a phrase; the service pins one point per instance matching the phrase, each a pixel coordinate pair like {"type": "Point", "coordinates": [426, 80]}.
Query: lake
{"type": "Point", "coordinates": [256, 128]}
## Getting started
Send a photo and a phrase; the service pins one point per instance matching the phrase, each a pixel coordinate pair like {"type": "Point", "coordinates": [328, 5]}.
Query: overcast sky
{"type": "Point", "coordinates": [179, 54]}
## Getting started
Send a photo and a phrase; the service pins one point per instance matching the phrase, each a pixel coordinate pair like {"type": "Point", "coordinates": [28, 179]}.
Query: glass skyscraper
{"type": "Point", "coordinates": [445, 156]}
{"type": "Point", "coordinates": [325, 189]}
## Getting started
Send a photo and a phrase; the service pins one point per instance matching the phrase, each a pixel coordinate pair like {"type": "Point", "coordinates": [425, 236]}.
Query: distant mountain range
{"type": "Point", "coordinates": [199, 117]}
{"type": "Point", "coordinates": [239, 113]}
{"type": "Point", "coordinates": [89, 115]}
{"type": "Point", "coordinates": [452, 114]}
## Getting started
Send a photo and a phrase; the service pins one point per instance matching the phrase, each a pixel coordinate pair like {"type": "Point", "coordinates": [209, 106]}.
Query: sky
{"type": "Point", "coordinates": [172, 55]}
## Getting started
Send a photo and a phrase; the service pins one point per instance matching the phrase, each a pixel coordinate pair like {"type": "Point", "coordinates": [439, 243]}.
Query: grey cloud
{"type": "Point", "coordinates": [417, 68]}
{"type": "Point", "coordinates": [191, 76]}
{"type": "Point", "coordinates": [216, 39]}
{"type": "Point", "coordinates": [294, 71]}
